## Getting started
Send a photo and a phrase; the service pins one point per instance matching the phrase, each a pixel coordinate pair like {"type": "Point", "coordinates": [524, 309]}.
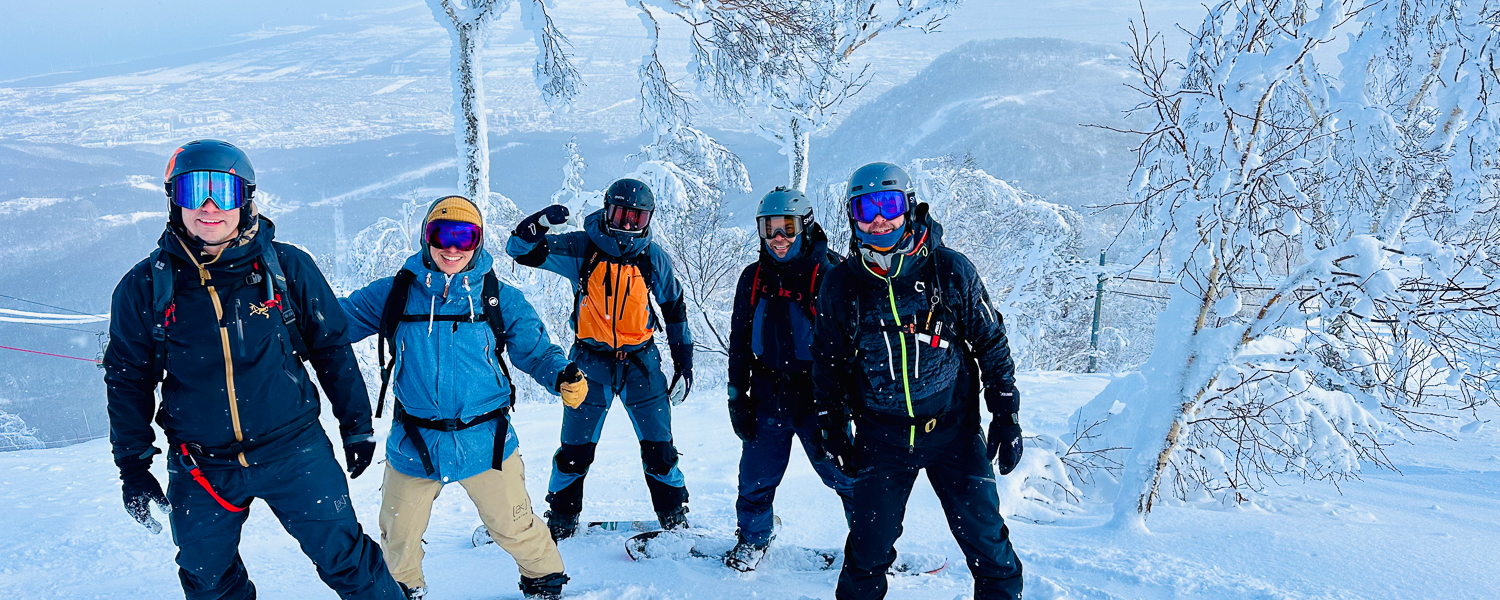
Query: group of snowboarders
{"type": "Point", "coordinates": [877, 362]}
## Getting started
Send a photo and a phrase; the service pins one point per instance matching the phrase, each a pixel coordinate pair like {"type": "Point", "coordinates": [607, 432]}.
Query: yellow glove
{"type": "Point", "coordinates": [573, 386]}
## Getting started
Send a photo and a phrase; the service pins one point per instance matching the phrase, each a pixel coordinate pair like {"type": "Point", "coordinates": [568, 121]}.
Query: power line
{"type": "Point", "coordinates": [49, 354]}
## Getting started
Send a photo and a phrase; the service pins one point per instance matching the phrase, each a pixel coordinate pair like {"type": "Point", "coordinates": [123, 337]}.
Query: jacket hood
{"type": "Point", "coordinates": [813, 246]}
{"type": "Point", "coordinates": [616, 246]}
{"type": "Point", "coordinates": [911, 256]}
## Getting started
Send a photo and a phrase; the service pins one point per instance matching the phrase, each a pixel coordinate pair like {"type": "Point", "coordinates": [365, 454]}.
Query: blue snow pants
{"type": "Point", "coordinates": [763, 460]}
{"type": "Point", "coordinates": [306, 491]}
{"type": "Point", "coordinates": [965, 486]}
{"type": "Point", "coordinates": [642, 388]}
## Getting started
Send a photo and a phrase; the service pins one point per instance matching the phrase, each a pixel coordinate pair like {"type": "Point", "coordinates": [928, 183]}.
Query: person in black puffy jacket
{"type": "Point", "coordinates": [770, 365]}
{"type": "Point", "coordinates": [222, 317]}
{"type": "Point", "coordinates": [905, 335]}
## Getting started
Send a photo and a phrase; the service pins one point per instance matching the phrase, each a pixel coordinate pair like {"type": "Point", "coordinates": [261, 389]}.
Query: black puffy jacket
{"type": "Point", "coordinates": [232, 379]}
{"type": "Point", "coordinates": [877, 350]}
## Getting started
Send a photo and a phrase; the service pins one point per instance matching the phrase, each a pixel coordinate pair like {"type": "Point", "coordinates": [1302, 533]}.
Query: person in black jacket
{"type": "Point", "coordinates": [222, 317]}
{"type": "Point", "coordinates": [770, 365]}
{"type": "Point", "coordinates": [905, 335]}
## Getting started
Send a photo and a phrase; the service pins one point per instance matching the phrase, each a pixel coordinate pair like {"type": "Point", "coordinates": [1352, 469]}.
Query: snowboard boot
{"type": "Point", "coordinates": [745, 556]}
{"type": "Point", "coordinates": [547, 587]}
{"type": "Point", "coordinates": [562, 526]}
{"type": "Point", "coordinates": [673, 520]}
{"type": "Point", "coordinates": [416, 593]}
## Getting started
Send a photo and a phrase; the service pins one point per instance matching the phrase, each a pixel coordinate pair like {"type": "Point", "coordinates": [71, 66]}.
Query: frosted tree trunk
{"type": "Point", "coordinates": [469, 126]}
{"type": "Point", "coordinates": [796, 145]}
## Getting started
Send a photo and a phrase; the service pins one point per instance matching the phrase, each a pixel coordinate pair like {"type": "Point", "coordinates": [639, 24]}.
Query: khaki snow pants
{"type": "Point", "coordinates": [500, 496]}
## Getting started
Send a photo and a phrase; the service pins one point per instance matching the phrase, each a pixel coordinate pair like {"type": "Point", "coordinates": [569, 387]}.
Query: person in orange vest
{"type": "Point", "coordinates": [617, 271]}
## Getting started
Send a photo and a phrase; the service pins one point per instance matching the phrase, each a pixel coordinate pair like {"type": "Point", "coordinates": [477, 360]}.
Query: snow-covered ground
{"type": "Point", "coordinates": [1429, 532]}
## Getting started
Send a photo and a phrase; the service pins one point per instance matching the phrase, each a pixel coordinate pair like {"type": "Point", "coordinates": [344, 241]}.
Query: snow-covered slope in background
{"type": "Point", "coordinates": [1428, 533]}
{"type": "Point", "coordinates": [1020, 106]}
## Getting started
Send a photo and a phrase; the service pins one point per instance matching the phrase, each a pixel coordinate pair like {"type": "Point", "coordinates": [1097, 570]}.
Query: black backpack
{"type": "Point", "coordinates": [394, 314]}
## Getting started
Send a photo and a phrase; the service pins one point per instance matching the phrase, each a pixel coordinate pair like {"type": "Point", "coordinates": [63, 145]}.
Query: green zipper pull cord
{"type": "Point", "coordinates": [905, 371]}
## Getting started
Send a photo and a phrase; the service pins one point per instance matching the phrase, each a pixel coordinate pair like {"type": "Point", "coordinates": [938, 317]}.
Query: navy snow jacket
{"type": "Point", "coordinates": [232, 380]}
{"type": "Point", "coordinates": [771, 328]}
{"type": "Point", "coordinates": [876, 350]}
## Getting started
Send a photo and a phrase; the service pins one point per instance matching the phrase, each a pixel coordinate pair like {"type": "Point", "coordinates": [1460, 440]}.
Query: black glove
{"type": "Point", "coordinates": [742, 414]}
{"type": "Point", "coordinates": [140, 489]}
{"type": "Point", "coordinates": [357, 457]}
{"type": "Point", "coordinates": [682, 367]}
{"type": "Point", "coordinates": [532, 228]}
{"type": "Point", "coordinates": [1005, 445]}
{"type": "Point", "coordinates": [833, 429]}
{"type": "Point", "coordinates": [569, 374]}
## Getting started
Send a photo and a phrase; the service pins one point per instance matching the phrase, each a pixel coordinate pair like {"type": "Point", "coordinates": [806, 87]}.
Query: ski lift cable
{"type": "Point", "coordinates": [99, 331]}
{"type": "Point", "coordinates": [95, 361]}
{"type": "Point", "coordinates": [43, 304]}
{"type": "Point", "coordinates": [53, 316]}
{"type": "Point", "coordinates": [5, 319]}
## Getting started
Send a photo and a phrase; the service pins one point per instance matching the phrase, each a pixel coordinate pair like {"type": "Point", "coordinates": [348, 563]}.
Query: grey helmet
{"type": "Point", "coordinates": [880, 176]}
{"type": "Point", "coordinates": [785, 202]}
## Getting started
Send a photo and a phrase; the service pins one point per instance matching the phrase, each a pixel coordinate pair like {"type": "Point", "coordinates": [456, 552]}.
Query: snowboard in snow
{"type": "Point", "coordinates": [481, 535]}
{"type": "Point", "coordinates": [682, 544]}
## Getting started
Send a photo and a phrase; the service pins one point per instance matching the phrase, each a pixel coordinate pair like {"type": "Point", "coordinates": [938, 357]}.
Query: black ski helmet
{"type": "Point", "coordinates": [635, 197]}
{"type": "Point", "coordinates": [630, 193]}
{"type": "Point", "coordinates": [210, 155]}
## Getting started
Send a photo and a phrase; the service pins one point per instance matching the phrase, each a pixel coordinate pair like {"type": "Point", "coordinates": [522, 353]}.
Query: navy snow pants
{"type": "Point", "coordinates": [642, 388]}
{"type": "Point", "coordinates": [965, 485]}
{"type": "Point", "coordinates": [309, 495]}
{"type": "Point", "coordinates": [763, 462]}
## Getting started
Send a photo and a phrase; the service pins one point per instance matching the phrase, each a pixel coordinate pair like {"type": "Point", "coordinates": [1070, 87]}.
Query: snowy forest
{"type": "Point", "coordinates": [1245, 252]}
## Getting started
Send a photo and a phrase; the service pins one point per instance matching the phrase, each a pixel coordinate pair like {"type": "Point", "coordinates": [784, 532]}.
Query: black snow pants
{"type": "Point", "coordinates": [309, 495]}
{"type": "Point", "coordinates": [965, 485]}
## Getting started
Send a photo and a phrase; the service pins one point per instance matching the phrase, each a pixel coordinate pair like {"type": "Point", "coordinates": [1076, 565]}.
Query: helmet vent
{"type": "Point", "coordinates": [856, 188]}
{"type": "Point", "coordinates": [888, 182]}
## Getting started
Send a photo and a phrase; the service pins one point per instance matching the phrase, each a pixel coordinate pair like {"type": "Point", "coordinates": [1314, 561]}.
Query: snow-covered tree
{"type": "Point", "coordinates": [1330, 238]}
{"type": "Point", "coordinates": [791, 64]}
{"type": "Point", "coordinates": [1025, 249]}
{"type": "Point", "coordinates": [468, 23]}
{"type": "Point", "coordinates": [15, 435]}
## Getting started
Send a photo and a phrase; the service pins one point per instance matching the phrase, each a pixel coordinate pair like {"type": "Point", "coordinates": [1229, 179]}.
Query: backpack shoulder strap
{"type": "Point", "coordinates": [490, 298]}
{"type": "Point", "coordinates": [163, 280]}
{"type": "Point", "coordinates": [277, 290]}
{"type": "Point", "coordinates": [390, 318]}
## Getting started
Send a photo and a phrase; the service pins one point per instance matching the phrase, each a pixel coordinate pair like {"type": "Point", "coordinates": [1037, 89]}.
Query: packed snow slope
{"type": "Point", "coordinates": [1426, 533]}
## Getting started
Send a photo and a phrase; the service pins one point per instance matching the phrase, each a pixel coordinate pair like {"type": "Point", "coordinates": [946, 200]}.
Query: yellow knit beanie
{"type": "Point", "coordinates": [455, 208]}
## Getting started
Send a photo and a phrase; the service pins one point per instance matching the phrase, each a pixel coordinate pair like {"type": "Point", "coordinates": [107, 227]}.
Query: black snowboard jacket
{"type": "Point", "coordinates": [771, 328]}
{"type": "Point", "coordinates": [878, 353]}
{"type": "Point", "coordinates": [232, 381]}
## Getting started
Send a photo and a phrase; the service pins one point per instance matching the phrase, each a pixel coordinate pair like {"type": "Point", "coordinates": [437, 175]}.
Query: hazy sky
{"type": "Point", "coordinates": [48, 36]}
{"type": "Point", "coordinates": [39, 37]}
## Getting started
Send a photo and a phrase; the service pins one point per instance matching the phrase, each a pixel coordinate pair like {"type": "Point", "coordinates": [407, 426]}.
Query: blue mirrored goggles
{"type": "Point", "coordinates": [228, 191]}
{"type": "Point", "coordinates": [885, 203]}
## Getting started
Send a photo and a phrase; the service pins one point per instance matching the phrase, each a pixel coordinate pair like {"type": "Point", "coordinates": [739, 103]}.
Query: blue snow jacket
{"type": "Point", "coordinates": [566, 253]}
{"type": "Point", "coordinates": [231, 375]}
{"type": "Point", "coordinates": [448, 370]}
{"type": "Point", "coordinates": [902, 346]}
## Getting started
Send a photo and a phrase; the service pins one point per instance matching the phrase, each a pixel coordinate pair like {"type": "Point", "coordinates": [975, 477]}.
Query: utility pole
{"type": "Point", "coordinates": [1098, 308]}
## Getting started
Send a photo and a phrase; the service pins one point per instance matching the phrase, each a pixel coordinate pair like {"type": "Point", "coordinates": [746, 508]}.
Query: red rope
{"type": "Point", "coordinates": [50, 354]}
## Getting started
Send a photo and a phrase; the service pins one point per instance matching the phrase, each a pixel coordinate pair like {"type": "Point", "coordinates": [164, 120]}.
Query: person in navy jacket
{"type": "Point", "coordinates": [222, 316]}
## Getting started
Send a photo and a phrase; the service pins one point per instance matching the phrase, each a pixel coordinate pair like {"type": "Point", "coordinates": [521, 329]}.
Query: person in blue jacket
{"type": "Point", "coordinates": [905, 336]}
{"type": "Point", "coordinates": [616, 271]}
{"type": "Point", "coordinates": [222, 316]}
{"type": "Point", "coordinates": [770, 365]}
{"type": "Point", "coordinates": [447, 318]}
